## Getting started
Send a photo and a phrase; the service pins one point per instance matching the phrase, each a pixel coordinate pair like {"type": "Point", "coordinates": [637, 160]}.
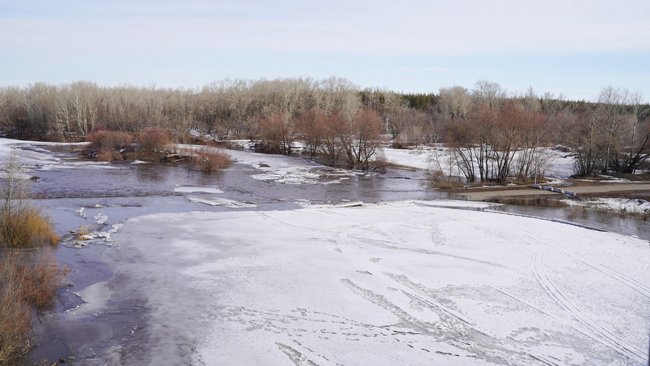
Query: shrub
{"type": "Point", "coordinates": [209, 160]}
{"type": "Point", "coordinates": [439, 180]}
{"type": "Point", "coordinates": [109, 140]}
{"type": "Point", "coordinates": [42, 277]}
{"type": "Point", "coordinates": [27, 280]}
{"type": "Point", "coordinates": [15, 313]}
{"type": "Point", "coordinates": [21, 225]}
{"type": "Point", "coordinates": [108, 155]}
{"type": "Point", "coordinates": [152, 139]}
{"type": "Point", "coordinates": [25, 227]}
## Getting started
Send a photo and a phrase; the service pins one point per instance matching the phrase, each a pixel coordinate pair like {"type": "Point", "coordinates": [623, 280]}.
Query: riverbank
{"type": "Point", "coordinates": [588, 190]}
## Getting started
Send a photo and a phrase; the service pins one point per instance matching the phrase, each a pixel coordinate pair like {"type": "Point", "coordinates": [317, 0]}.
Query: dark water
{"type": "Point", "coordinates": [128, 190]}
{"type": "Point", "coordinates": [607, 221]}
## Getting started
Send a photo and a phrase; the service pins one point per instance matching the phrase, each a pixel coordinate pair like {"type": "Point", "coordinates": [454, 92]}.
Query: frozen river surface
{"type": "Point", "coordinates": [265, 264]}
{"type": "Point", "coordinates": [386, 284]}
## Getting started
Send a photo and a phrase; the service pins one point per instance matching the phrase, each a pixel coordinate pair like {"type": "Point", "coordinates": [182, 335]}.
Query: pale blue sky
{"type": "Point", "coordinates": [568, 47]}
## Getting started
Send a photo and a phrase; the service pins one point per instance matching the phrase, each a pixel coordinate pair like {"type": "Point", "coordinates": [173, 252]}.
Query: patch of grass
{"type": "Point", "coordinates": [209, 160]}
{"type": "Point", "coordinates": [15, 313]}
{"type": "Point", "coordinates": [28, 280]}
{"type": "Point", "coordinates": [42, 277]}
{"type": "Point", "coordinates": [82, 232]}
{"type": "Point", "coordinates": [153, 139]}
{"type": "Point", "coordinates": [440, 180]}
{"type": "Point", "coordinates": [25, 227]}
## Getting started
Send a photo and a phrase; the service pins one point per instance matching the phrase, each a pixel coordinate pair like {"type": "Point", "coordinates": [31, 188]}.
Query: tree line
{"type": "Point", "coordinates": [494, 136]}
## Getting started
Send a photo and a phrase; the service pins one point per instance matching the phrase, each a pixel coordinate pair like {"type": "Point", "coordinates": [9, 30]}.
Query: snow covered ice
{"type": "Point", "coordinates": [386, 284]}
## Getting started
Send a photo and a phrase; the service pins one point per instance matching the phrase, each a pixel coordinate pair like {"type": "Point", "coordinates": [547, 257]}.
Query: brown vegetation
{"type": "Point", "coordinates": [25, 227]}
{"type": "Point", "coordinates": [29, 277]}
{"type": "Point", "coordinates": [209, 160]}
{"type": "Point", "coordinates": [21, 225]}
{"type": "Point", "coordinates": [15, 313]}
{"type": "Point", "coordinates": [153, 139]}
{"type": "Point", "coordinates": [441, 180]}
{"type": "Point", "coordinates": [109, 145]}
{"type": "Point", "coordinates": [42, 279]}
{"type": "Point", "coordinates": [110, 140]}
{"type": "Point", "coordinates": [28, 280]}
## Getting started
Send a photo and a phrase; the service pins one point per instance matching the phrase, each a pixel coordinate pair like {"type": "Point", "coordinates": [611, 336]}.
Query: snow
{"type": "Point", "coordinates": [194, 189]}
{"type": "Point", "coordinates": [23, 157]}
{"type": "Point", "coordinates": [560, 165]}
{"type": "Point", "coordinates": [78, 164]}
{"type": "Point", "coordinates": [623, 205]}
{"type": "Point", "coordinates": [385, 284]}
{"type": "Point", "coordinates": [221, 202]}
{"type": "Point", "coordinates": [420, 158]}
{"type": "Point", "coordinates": [288, 170]}
{"type": "Point", "coordinates": [41, 159]}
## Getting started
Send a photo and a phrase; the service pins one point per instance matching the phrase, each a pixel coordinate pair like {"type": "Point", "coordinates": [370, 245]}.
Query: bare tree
{"type": "Point", "coordinates": [454, 102]}
{"type": "Point", "coordinates": [311, 125]}
{"type": "Point", "coordinates": [366, 131]}
{"type": "Point", "coordinates": [276, 132]}
{"type": "Point", "coordinates": [488, 92]}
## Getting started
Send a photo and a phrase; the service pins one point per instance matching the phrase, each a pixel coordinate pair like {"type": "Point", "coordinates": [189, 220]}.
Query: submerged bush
{"type": "Point", "coordinates": [42, 277]}
{"type": "Point", "coordinates": [109, 145]}
{"type": "Point", "coordinates": [439, 180]}
{"type": "Point", "coordinates": [209, 160]}
{"type": "Point", "coordinates": [152, 139]}
{"type": "Point", "coordinates": [15, 313]}
{"type": "Point", "coordinates": [28, 280]}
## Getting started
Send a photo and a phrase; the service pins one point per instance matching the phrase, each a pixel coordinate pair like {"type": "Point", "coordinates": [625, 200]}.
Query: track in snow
{"type": "Point", "coordinates": [587, 326]}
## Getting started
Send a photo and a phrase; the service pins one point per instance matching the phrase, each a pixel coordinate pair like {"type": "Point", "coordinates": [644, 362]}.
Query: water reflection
{"type": "Point", "coordinates": [609, 221]}
{"type": "Point", "coordinates": [149, 173]}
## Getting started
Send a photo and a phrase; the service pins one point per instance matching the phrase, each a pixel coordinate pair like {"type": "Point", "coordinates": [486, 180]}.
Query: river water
{"type": "Point", "coordinates": [123, 190]}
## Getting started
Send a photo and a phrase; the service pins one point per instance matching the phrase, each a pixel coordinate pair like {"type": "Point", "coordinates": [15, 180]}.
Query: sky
{"type": "Point", "coordinates": [570, 48]}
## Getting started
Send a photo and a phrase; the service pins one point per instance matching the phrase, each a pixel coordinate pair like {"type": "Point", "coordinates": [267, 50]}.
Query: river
{"type": "Point", "coordinates": [120, 191]}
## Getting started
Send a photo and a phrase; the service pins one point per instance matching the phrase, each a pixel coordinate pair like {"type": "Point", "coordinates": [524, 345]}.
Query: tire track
{"type": "Point", "coordinates": [638, 286]}
{"type": "Point", "coordinates": [613, 274]}
{"type": "Point", "coordinates": [607, 271]}
{"type": "Point", "coordinates": [391, 245]}
{"type": "Point", "coordinates": [592, 328]}
{"type": "Point", "coordinates": [489, 344]}
{"type": "Point", "coordinates": [296, 357]}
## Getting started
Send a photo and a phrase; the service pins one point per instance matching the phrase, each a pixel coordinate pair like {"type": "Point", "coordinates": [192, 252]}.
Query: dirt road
{"type": "Point", "coordinates": [594, 189]}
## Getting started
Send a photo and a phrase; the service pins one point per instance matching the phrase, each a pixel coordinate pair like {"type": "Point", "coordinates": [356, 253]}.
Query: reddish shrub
{"type": "Point", "coordinates": [209, 160]}
{"type": "Point", "coordinates": [109, 140]}
{"type": "Point", "coordinates": [152, 139]}
{"type": "Point", "coordinates": [27, 280]}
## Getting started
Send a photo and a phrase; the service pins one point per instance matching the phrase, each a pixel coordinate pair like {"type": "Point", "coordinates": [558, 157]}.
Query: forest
{"type": "Point", "coordinates": [495, 135]}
